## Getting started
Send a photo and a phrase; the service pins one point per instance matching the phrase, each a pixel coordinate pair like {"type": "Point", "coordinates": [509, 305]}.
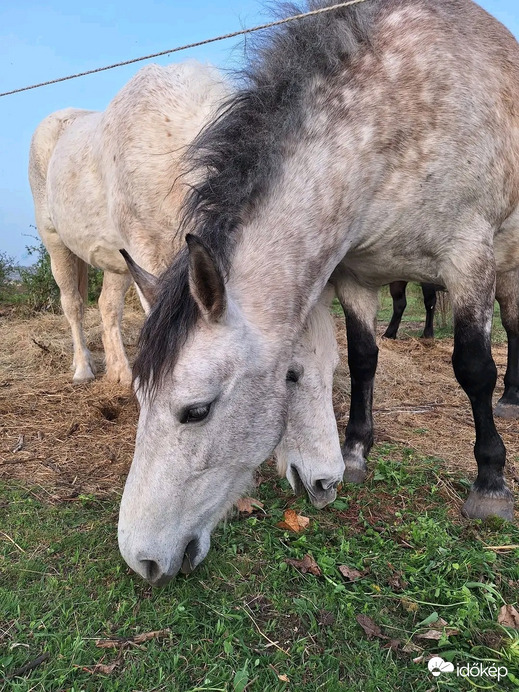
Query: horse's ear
{"type": "Point", "coordinates": [146, 282]}
{"type": "Point", "coordinates": [205, 280]}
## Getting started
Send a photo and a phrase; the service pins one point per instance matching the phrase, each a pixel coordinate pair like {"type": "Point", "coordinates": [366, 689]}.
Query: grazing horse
{"type": "Point", "coordinates": [397, 290]}
{"type": "Point", "coordinates": [312, 173]}
{"type": "Point", "coordinates": [111, 180]}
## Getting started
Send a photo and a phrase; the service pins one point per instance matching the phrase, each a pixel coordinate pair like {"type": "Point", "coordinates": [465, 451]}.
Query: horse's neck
{"type": "Point", "coordinates": [281, 267]}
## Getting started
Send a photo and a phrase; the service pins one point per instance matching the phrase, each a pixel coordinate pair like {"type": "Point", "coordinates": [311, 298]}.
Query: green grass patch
{"type": "Point", "coordinates": [245, 619]}
{"type": "Point", "coordinates": [413, 319]}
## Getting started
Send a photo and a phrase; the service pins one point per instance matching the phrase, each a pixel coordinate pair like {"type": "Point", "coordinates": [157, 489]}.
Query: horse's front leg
{"type": "Point", "coordinates": [360, 309]}
{"type": "Point", "coordinates": [507, 295]}
{"type": "Point", "coordinates": [476, 372]}
{"type": "Point", "coordinates": [397, 290]}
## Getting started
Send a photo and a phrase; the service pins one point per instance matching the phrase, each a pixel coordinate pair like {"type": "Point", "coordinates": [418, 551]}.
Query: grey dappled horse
{"type": "Point", "coordinates": [371, 144]}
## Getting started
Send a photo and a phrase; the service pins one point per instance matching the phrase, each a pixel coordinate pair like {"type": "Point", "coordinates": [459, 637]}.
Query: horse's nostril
{"type": "Point", "coordinates": [190, 553]}
{"type": "Point", "coordinates": [152, 570]}
{"type": "Point", "coordinates": [324, 485]}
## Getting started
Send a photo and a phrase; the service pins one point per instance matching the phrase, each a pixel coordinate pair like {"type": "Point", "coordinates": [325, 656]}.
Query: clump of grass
{"type": "Point", "coordinates": [247, 620]}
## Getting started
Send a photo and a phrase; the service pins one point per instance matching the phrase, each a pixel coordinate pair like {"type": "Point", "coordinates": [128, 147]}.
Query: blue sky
{"type": "Point", "coordinates": [45, 40]}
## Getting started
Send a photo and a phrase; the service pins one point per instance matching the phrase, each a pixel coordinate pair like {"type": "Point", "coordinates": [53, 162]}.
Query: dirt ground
{"type": "Point", "coordinates": [71, 440]}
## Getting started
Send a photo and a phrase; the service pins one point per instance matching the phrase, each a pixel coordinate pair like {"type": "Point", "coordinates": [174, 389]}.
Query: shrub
{"type": "Point", "coordinates": [38, 287]}
{"type": "Point", "coordinates": [7, 267]}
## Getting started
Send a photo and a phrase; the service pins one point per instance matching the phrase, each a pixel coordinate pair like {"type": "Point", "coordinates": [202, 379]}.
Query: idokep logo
{"type": "Point", "coordinates": [437, 666]}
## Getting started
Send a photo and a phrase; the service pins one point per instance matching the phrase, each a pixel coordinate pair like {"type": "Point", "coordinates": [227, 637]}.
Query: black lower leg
{"type": "Point", "coordinates": [476, 372]}
{"type": "Point", "coordinates": [507, 294]}
{"type": "Point", "coordinates": [397, 290]}
{"type": "Point", "coordinates": [429, 300]}
{"type": "Point", "coordinates": [362, 359]}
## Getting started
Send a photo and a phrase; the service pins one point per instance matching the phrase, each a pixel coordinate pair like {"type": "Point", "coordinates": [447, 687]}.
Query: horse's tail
{"type": "Point", "coordinates": [82, 280]}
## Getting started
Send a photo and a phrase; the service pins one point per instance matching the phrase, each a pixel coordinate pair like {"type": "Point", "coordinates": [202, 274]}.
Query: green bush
{"type": "Point", "coordinates": [39, 290]}
{"type": "Point", "coordinates": [6, 268]}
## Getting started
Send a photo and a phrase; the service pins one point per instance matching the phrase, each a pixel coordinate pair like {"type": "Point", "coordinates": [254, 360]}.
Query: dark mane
{"type": "Point", "coordinates": [239, 157]}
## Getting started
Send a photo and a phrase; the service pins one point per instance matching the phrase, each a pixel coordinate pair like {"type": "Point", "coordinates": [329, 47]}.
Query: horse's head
{"type": "Point", "coordinates": [209, 421]}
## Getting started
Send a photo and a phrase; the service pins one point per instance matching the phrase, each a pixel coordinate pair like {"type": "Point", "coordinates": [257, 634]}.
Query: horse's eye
{"type": "Point", "coordinates": [195, 414]}
{"type": "Point", "coordinates": [293, 376]}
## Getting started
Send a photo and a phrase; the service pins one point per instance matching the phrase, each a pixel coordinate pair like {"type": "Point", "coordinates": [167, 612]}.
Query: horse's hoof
{"type": "Point", "coordinates": [481, 506]}
{"type": "Point", "coordinates": [505, 410]}
{"type": "Point", "coordinates": [84, 378]}
{"type": "Point", "coordinates": [123, 378]}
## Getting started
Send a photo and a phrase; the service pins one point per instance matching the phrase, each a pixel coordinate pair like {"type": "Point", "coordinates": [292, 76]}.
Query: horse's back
{"type": "Point", "coordinates": [145, 131]}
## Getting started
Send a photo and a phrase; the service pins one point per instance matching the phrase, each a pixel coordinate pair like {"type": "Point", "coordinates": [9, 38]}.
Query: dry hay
{"type": "Point", "coordinates": [72, 440]}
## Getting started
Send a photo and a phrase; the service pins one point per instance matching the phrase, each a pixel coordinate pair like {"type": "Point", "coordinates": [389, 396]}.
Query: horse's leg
{"type": "Point", "coordinates": [429, 300]}
{"type": "Point", "coordinates": [71, 275]}
{"type": "Point", "coordinates": [397, 290]}
{"type": "Point", "coordinates": [507, 294]}
{"type": "Point", "coordinates": [360, 309]}
{"type": "Point", "coordinates": [111, 304]}
{"type": "Point", "coordinates": [476, 372]}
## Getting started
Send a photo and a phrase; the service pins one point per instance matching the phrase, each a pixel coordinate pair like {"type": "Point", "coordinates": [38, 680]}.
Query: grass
{"type": "Point", "coordinates": [245, 619]}
{"type": "Point", "coordinates": [413, 319]}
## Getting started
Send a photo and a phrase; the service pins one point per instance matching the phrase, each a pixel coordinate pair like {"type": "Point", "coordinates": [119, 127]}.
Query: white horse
{"type": "Point", "coordinates": [106, 181]}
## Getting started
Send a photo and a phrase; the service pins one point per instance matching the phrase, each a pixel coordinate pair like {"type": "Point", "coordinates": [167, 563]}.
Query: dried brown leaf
{"type": "Point", "coordinates": [410, 648]}
{"type": "Point", "coordinates": [307, 564]}
{"type": "Point", "coordinates": [370, 627]}
{"type": "Point", "coordinates": [247, 505]}
{"type": "Point", "coordinates": [350, 573]}
{"type": "Point", "coordinates": [292, 521]}
{"type": "Point", "coordinates": [392, 645]}
{"type": "Point", "coordinates": [119, 642]}
{"type": "Point", "coordinates": [508, 617]}
{"type": "Point", "coordinates": [101, 668]}
{"type": "Point", "coordinates": [438, 630]}
{"type": "Point", "coordinates": [325, 618]}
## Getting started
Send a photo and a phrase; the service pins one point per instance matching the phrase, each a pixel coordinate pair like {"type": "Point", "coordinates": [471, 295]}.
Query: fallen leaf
{"type": "Point", "coordinates": [370, 627]}
{"type": "Point", "coordinates": [284, 678]}
{"type": "Point", "coordinates": [392, 645]}
{"type": "Point", "coordinates": [292, 521]}
{"type": "Point", "coordinates": [247, 505]}
{"type": "Point", "coordinates": [396, 582]}
{"type": "Point", "coordinates": [101, 668]}
{"type": "Point", "coordinates": [325, 618]}
{"type": "Point", "coordinates": [508, 617]}
{"type": "Point", "coordinates": [410, 648]}
{"type": "Point", "coordinates": [118, 642]}
{"type": "Point", "coordinates": [350, 573]}
{"type": "Point", "coordinates": [307, 564]}
{"type": "Point", "coordinates": [436, 634]}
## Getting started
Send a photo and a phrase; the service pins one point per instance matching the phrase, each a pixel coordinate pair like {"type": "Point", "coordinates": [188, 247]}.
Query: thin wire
{"type": "Point", "coordinates": [260, 27]}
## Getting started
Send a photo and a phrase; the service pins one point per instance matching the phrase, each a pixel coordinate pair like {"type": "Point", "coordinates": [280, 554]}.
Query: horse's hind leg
{"type": "Point", "coordinates": [476, 372]}
{"type": "Point", "coordinates": [429, 300]}
{"type": "Point", "coordinates": [71, 275]}
{"type": "Point", "coordinates": [360, 309]}
{"type": "Point", "coordinates": [507, 295]}
{"type": "Point", "coordinates": [397, 290]}
{"type": "Point", "coordinates": [111, 304]}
